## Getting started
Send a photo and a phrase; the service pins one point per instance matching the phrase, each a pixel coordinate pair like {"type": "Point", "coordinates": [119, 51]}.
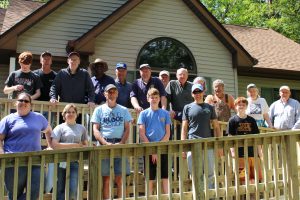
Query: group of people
{"type": "Point", "coordinates": [157, 100]}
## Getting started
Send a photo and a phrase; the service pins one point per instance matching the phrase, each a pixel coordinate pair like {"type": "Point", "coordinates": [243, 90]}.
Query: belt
{"type": "Point", "coordinates": [113, 140]}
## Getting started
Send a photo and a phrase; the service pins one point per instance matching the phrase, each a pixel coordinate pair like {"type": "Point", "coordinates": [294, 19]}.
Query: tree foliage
{"type": "Point", "coordinates": [5, 3]}
{"type": "Point", "coordinates": [282, 16]}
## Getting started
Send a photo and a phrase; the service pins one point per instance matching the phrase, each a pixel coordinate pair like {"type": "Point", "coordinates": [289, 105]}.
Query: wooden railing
{"type": "Point", "coordinates": [279, 165]}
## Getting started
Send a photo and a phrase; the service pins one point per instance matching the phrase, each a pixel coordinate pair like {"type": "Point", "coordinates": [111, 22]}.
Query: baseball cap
{"type": "Point", "coordinates": [145, 65]}
{"type": "Point", "coordinates": [121, 66]}
{"type": "Point", "coordinates": [109, 87]}
{"type": "Point", "coordinates": [74, 53]}
{"type": "Point", "coordinates": [284, 87]}
{"type": "Point", "coordinates": [251, 85]}
{"type": "Point", "coordinates": [164, 72]}
{"type": "Point", "coordinates": [197, 86]}
{"type": "Point", "coordinates": [46, 53]}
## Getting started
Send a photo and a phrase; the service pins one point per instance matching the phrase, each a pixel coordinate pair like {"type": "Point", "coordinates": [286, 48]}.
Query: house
{"type": "Point", "coordinates": [183, 31]}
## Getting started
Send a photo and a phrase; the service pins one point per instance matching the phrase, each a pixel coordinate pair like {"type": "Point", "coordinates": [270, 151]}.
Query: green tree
{"type": "Point", "coordinates": [282, 16]}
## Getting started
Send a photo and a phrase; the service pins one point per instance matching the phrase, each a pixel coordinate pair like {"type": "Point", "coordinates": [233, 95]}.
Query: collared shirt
{"type": "Point", "coordinates": [179, 95]}
{"type": "Point", "coordinates": [285, 116]}
{"type": "Point", "coordinates": [100, 85]}
{"type": "Point", "coordinates": [124, 93]}
{"type": "Point", "coordinates": [140, 89]}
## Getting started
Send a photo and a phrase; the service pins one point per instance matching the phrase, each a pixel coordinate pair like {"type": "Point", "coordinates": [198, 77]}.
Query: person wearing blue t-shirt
{"type": "Point", "coordinates": [110, 127]}
{"type": "Point", "coordinates": [154, 126]}
{"type": "Point", "coordinates": [21, 132]}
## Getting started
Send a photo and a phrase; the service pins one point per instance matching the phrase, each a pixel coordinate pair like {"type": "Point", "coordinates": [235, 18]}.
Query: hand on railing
{"type": "Point", "coordinates": [138, 109]}
{"type": "Point", "coordinates": [53, 101]}
{"type": "Point", "coordinates": [172, 114]}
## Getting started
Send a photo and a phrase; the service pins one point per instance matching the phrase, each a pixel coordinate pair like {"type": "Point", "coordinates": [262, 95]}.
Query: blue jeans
{"type": "Point", "coordinates": [210, 163]}
{"type": "Point", "coordinates": [105, 166]}
{"type": "Point", "coordinates": [22, 182]}
{"type": "Point", "coordinates": [61, 182]}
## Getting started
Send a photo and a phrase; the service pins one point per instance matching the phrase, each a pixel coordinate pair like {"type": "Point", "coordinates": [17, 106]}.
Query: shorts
{"type": "Point", "coordinates": [163, 167]}
{"type": "Point", "coordinates": [105, 167]}
{"type": "Point", "coordinates": [251, 169]}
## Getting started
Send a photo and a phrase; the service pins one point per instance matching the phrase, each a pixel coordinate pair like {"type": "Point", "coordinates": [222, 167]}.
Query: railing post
{"type": "Point", "coordinates": [197, 176]}
{"type": "Point", "coordinates": [292, 167]}
{"type": "Point", "coordinates": [93, 187]}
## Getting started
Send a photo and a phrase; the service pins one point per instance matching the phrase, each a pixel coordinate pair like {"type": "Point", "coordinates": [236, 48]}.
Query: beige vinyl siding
{"type": "Point", "coordinates": [68, 22]}
{"type": "Point", "coordinates": [4, 72]}
{"type": "Point", "coordinates": [243, 81]}
{"type": "Point", "coordinates": [165, 18]}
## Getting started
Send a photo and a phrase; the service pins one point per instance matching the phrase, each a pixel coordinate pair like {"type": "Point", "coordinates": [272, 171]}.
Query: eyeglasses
{"type": "Point", "coordinates": [23, 101]}
{"type": "Point", "coordinates": [197, 92]}
{"type": "Point", "coordinates": [71, 112]}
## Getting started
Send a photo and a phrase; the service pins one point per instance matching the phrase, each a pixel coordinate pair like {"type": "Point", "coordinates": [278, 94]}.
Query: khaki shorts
{"type": "Point", "coordinates": [251, 169]}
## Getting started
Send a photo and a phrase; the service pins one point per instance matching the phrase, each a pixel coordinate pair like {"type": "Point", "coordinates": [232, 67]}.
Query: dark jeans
{"type": "Point", "coordinates": [22, 182]}
{"type": "Point", "coordinates": [61, 182]}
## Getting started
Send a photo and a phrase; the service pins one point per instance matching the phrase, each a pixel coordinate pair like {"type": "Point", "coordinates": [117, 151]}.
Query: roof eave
{"type": "Point", "coordinates": [8, 40]}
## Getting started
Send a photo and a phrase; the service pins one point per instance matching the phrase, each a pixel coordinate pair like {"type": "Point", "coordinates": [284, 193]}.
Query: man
{"type": "Point", "coordinates": [222, 102]}
{"type": "Point", "coordinates": [23, 80]}
{"type": "Point", "coordinates": [72, 84]}
{"type": "Point", "coordinates": [100, 79]}
{"type": "Point", "coordinates": [179, 93]}
{"type": "Point", "coordinates": [111, 127]}
{"type": "Point", "coordinates": [141, 86]}
{"type": "Point", "coordinates": [164, 76]}
{"type": "Point", "coordinates": [124, 87]}
{"type": "Point", "coordinates": [196, 123]}
{"type": "Point", "coordinates": [47, 75]}
{"type": "Point", "coordinates": [285, 112]}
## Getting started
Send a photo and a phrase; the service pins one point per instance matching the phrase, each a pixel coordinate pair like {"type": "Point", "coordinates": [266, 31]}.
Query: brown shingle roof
{"type": "Point", "coordinates": [2, 14]}
{"type": "Point", "coordinates": [18, 10]}
{"type": "Point", "coordinates": [271, 49]}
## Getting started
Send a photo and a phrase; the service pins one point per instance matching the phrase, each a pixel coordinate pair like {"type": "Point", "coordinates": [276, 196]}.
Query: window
{"type": "Point", "coordinates": [167, 54]}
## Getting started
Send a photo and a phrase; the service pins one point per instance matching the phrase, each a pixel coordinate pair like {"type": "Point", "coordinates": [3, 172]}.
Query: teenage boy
{"type": "Point", "coordinates": [243, 124]}
{"type": "Point", "coordinates": [154, 126]}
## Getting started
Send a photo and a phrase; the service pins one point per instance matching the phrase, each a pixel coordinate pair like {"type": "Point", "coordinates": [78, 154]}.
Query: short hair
{"type": "Point", "coordinates": [239, 100]}
{"type": "Point", "coordinates": [67, 108]}
{"type": "Point", "coordinates": [26, 94]}
{"type": "Point", "coordinates": [218, 82]}
{"type": "Point", "coordinates": [182, 69]}
{"type": "Point", "coordinates": [25, 58]}
{"type": "Point", "coordinates": [152, 92]}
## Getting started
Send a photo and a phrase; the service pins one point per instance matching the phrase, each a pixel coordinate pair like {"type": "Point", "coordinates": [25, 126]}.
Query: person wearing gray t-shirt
{"type": "Point", "coordinates": [196, 119]}
{"type": "Point", "coordinates": [68, 135]}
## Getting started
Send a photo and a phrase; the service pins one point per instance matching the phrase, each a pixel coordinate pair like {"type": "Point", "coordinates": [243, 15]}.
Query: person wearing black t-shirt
{"type": "Point", "coordinates": [243, 124]}
{"type": "Point", "coordinates": [47, 75]}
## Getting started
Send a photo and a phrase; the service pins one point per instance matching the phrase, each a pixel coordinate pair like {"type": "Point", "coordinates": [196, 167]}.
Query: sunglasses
{"type": "Point", "coordinates": [197, 92]}
{"type": "Point", "coordinates": [23, 101]}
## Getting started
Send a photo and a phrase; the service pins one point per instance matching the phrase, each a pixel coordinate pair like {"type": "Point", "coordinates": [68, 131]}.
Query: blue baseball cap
{"type": "Point", "coordinates": [121, 66]}
{"type": "Point", "coordinates": [197, 86]}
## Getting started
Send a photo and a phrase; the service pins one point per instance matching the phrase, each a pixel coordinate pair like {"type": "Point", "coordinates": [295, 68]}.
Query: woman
{"type": "Point", "coordinates": [257, 107]}
{"type": "Point", "coordinates": [68, 135]}
{"type": "Point", "coordinates": [21, 132]}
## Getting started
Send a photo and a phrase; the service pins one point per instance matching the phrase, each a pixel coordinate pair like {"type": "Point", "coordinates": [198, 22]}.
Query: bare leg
{"type": "Point", "coordinates": [106, 187]}
{"type": "Point", "coordinates": [118, 180]}
{"type": "Point", "coordinates": [165, 187]}
{"type": "Point", "coordinates": [150, 187]}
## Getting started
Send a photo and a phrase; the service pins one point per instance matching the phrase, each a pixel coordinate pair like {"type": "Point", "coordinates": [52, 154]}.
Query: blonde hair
{"type": "Point", "coordinates": [67, 108]}
{"type": "Point", "coordinates": [152, 92]}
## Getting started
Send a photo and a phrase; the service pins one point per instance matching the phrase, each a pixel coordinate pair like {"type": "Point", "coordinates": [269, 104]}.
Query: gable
{"type": "Point", "coordinates": [122, 41]}
{"type": "Point", "coordinates": [68, 22]}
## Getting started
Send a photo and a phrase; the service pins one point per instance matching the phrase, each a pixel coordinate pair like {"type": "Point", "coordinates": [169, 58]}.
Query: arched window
{"type": "Point", "coordinates": [165, 53]}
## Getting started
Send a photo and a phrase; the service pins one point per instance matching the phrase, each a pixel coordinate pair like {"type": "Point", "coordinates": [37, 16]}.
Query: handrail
{"type": "Point", "coordinates": [280, 173]}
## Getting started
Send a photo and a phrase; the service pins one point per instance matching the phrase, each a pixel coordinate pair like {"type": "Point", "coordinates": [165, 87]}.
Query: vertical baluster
{"type": "Point", "coordinates": [42, 177]}
{"type": "Point", "coordinates": [16, 175]}
{"type": "Point", "coordinates": [2, 173]}
{"type": "Point", "coordinates": [170, 171]}
{"type": "Point", "coordinates": [67, 187]}
{"type": "Point", "coordinates": [80, 175]}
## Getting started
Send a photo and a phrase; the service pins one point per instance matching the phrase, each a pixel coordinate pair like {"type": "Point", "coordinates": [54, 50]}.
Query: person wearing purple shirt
{"type": "Point", "coordinates": [100, 79]}
{"type": "Point", "coordinates": [141, 86]}
{"type": "Point", "coordinates": [21, 132]}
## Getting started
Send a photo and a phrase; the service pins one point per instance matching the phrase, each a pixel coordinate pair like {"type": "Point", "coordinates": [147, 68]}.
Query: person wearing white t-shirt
{"type": "Point", "coordinates": [257, 107]}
